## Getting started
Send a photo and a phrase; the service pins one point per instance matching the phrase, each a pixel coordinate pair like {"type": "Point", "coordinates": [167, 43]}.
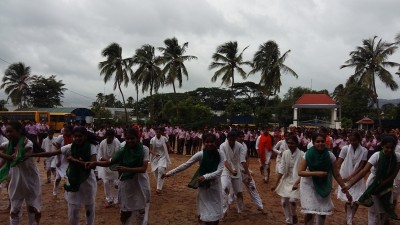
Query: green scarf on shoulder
{"type": "Point", "coordinates": [129, 158]}
{"type": "Point", "coordinates": [320, 161]}
{"type": "Point", "coordinates": [209, 163]}
{"type": "Point", "coordinates": [386, 167]}
{"type": "Point", "coordinates": [19, 157]}
{"type": "Point", "coordinates": [76, 173]}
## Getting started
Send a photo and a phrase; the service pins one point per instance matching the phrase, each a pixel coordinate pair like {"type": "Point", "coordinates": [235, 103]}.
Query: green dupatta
{"type": "Point", "coordinates": [320, 161]}
{"type": "Point", "coordinates": [76, 173]}
{"type": "Point", "coordinates": [209, 163]}
{"type": "Point", "coordinates": [129, 158]}
{"type": "Point", "coordinates": [386, 167]}
{"type": "Point", "coordinates": [19, 157]}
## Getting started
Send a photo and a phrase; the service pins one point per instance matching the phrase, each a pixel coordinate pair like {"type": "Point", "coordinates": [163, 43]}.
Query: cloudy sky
{"type": "Point", "coordinates": [66, 37]}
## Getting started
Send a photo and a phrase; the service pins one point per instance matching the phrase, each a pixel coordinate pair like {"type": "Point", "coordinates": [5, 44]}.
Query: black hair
{"type": "Point", "coordinates": [232, 134]}
{"type": "Point", "coordinates": [132, 131]}
{"type": "Point", "coordinates": [294, 139]}
{"type": "Point", "coordinates": [239, 133]}
{"type": "Point", "coordinates": [50, 131]}
{"type": "Point", "coordinates": [90, 137]}
{"type": "Point", "coordinates": [110, 132]}
{"type": "Point", "coordinates": [209, 136]}
{"type": "Point", "coordinates": [355, 134]}
{"type": "Point", "coordinates": [315, 135]}
{"type": "Point", "coordinates": [18, 126]}
{"type": "Point", "coordinates": [389, 139]}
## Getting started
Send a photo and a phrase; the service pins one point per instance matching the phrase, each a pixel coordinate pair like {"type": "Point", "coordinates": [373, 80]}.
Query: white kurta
{"type": "Point", "coordinates": [134, 193]}
{"type": "Point", "coordinates": [351, 161]}
{"type": "Point", "coordinates": [234, 157]}
{"type": "Point", "coordinates": [105, 152]}
{"type": "Point", "coordinates": [62, 169]}
{"type": "Point", "coordinates": [373, 160]}
{"type": "Point", "coordinates": [311, 201]}
{"type": "Point", "coordinates": [279, 148]}
{"type": "Point", "coordinates": [209, 200]}
{"type": "Point", "coordinates": [87, 190]}
{"type": "Point", "coordinates": [160, 147]}
{"type": "Point", "coordinates": [25, 180]}
{"type": "Point", "coordinates": [289, 169]}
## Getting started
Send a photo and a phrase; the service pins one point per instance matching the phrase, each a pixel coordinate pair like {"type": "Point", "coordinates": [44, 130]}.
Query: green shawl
{"type": "Point", "coordinates": [129, 158]}
{"type": "Point", "coordinates": [19, 157]}
{"type": "Point", "coordinates": [386, 167]}
{"type": "Point", "coordinates": [320, 161]}
{"type": "Point", "coordinates": [76, 173]}
{"type": "Point", "coordinates": [209, 163]}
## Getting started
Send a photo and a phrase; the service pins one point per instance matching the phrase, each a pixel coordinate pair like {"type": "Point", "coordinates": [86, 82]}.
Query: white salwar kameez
{"type": "Point", "coordinates": [351, 161]}
{"type": "Point", "coordinates": [24, 186]}
{"type": "Point", "coordinates": [311, 201]}
{"type": "Point", "coordinates": [289, 170]}
{"type": "Point", "coordinates": [376, 209]}
{"type": "Point", "coordinates": [209, 199]}
{"type": "Point", "coordinates": [159, 163]}
{"type": "Point", "coordinates": [85, 196]}
{"type": "Point", "coordinates": [279, 148]}
{"type": "Point", "coordinates": [134, 195]}
{"type": "Point", "coordinates": [110, 178]}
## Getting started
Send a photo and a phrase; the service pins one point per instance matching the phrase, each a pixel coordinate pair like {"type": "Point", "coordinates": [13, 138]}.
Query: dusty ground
{"type": "Point", "coordinates": [177, 204]}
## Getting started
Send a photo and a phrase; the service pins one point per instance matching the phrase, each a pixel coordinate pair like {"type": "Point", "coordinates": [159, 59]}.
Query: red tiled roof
{"type": "Point", "coordinates": [365, 120]}
{"type": "Point", "coordinates": [315, 99]}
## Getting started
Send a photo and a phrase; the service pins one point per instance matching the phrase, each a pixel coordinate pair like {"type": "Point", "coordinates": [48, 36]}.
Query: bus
{"type": "Point", "coordinates": [21, 116]}
{"type": "Point", "coordinates": [58, 119]}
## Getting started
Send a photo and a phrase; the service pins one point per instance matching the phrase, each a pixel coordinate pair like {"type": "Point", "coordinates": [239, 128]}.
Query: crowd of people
{"type": "Point", "coordinates": [307, 161]}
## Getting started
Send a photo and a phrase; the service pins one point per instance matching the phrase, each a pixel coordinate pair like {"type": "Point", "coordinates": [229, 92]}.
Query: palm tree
{"type": "Point", "coordinates": [16, 83]}
{"type": "Point", "coordinates": [174, 59]}
{"type": "Point", "coordinates": [270, 63]}
{"type": "Point", "coordinates": [149, 73]}
{"type": "Point", "coordinates": [227, 59]}
{"type": "Point", "coordinates": [117, 66]}
{"type": "Point", "coordinates": [370, 61]}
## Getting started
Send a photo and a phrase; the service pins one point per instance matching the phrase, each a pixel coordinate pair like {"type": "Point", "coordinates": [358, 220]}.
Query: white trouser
{"type": "Point", "coordinates": [289, 209]}
{"type": "Point", "coordinates": [110, 191]}
{"type": "Point", "coordinates": [16, 213]}
{"type": "Point", "coordinates": [158, 173]}
{"type": "Point", "coordinates": [252, 189]}
{"type": "Point", "coordinates": [73, 214]}
{"type": "Point", "coordinates": [236, 184]}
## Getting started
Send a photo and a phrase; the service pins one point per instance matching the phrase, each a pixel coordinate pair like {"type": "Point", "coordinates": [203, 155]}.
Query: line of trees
{"type": "Point", "coordinates": [151, 76]}
{"type": "Point", "coordinates": [26, 90]}
{"type": "Point", "coordinates": [150, 68]}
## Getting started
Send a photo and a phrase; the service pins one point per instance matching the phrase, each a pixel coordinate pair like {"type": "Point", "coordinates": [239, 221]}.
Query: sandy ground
{"type": "Point", "coordinates": [177, 205]}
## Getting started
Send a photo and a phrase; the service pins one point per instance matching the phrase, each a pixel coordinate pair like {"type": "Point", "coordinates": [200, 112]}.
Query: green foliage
{"type": "Point", "coordinates": [238, 108]}
{"type": "Point", "coordinates": [117, 66]}
{"type": "Point", "coordinates": [215, 98]}
{"type": "Point", "coordinates": [3, 105]}
{"type": "Point", "coordinates": [16, 83]}
{"type": "Point", "coordinates": [269, 62]}
{"type": "Point", "coordinates": [347, 123]}
{"type": "Point", "coordinates": [103, 117]}
{"type": "Point", "coordinates": [45, 92]}
{"type": "Point", "coordinates": [174, 58]}
{"type": "Point", "coordinates": [227, 60]}
{"type": "Point", "coordinates": [370, 61]}
{"type": "Point", "coordinates": [355, 101]}
{"type": "Point", "coordinates": [188, 113]}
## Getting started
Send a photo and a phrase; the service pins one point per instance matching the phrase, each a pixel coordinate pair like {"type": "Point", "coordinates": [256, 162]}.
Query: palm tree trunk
{"type": "Point", "coordinates": [123, 100]}
{"type": "Point", "coordinates": [377, 103]}
{"type": "Point", "coordinates": [173, 85]}
{"type": "Point", "coordinates": [137, 103]}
